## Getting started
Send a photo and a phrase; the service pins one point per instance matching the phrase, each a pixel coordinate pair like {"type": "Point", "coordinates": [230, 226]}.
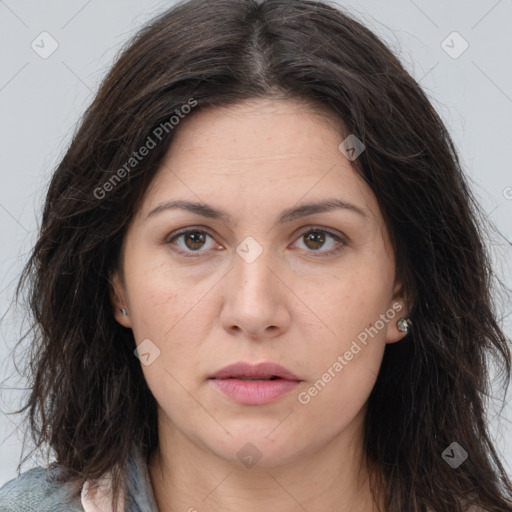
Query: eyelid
{"type": "Point", "coordinates": [340, 238]}
{"type": "Point", "coordinates": [329, 231]}
{"type": "Point", "coordinates": [189, 229]}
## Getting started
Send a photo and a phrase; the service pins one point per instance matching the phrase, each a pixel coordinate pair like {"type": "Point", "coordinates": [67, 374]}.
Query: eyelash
{"type": "Point", "coordinates": [192, 254]}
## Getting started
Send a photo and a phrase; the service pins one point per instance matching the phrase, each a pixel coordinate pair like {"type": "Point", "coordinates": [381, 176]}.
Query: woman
{"type": "Point", "coordinates": [260, 282]}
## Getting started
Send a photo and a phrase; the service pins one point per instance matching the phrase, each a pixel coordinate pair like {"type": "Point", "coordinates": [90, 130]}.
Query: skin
{"type": "Point", "coordinates": [291, 305]}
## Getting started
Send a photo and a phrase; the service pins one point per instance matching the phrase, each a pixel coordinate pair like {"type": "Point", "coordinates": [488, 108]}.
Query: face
{"type": "Point", "coordinates": [256, 278]}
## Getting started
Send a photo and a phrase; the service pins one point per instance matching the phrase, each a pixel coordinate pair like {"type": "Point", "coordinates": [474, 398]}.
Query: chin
{"type": "Point", "coordinates": [252, 447]}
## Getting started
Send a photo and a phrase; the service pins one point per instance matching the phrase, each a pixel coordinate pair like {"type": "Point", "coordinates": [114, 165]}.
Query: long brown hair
{"type": "Point", "coordinates": [89, 401]}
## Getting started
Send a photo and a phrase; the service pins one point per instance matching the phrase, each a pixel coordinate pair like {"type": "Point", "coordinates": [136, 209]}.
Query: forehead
{"type": "Point", "coordinates": [259, 154]}
{"type": "Point", "coordinates": [259, 129]}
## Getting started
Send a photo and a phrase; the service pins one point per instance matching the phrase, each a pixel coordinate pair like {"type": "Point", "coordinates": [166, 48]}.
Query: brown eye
{"type": "Point", "coordinates": [191, 241]}
{"type": "Point", "coordinates": [322, 242]}
{"type": "Point", "coordinates": [194, 239]}
{"type": "Point", "coordinates": [314, 239]}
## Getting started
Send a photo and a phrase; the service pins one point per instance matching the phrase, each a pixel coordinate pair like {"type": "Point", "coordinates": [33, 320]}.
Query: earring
{"type": "Point", "coordinates": [404, 324]}
{"type": "Point", "coordinates": [124, 312]}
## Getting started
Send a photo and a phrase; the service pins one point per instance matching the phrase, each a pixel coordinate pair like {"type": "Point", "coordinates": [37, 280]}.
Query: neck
{"type": "Point", "coordinates": [188, 477]}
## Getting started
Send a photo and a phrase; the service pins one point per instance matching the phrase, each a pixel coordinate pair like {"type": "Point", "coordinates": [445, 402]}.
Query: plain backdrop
{"type": "Point", "coordinates": [467, 75]}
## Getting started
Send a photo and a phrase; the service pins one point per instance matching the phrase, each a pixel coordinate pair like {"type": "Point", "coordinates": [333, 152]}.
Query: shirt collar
{"type": "Point", "coordinates": [140, 490]}
{"type": "Point", "coordinates": [139, 496]}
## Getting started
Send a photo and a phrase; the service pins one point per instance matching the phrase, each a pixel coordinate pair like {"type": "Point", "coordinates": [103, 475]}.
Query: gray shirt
{"type": "Point", "coordinates": [39, 490]}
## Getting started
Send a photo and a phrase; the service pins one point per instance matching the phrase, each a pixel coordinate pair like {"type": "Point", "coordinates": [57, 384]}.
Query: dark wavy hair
{"type": "Point", "coordinates": [88, 400]}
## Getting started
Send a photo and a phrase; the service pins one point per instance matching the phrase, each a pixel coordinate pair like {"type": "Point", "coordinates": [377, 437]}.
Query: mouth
{"type": "Point", "coordinates": [259, 384]}
{"type": "Point", "coordinates": [260, 372]}
{"type": "Point", "coordinates": [242, 377]}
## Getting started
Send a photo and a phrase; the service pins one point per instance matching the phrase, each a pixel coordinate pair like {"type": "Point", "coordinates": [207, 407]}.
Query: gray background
{"type": "Point", "coordinates": [41, 100]}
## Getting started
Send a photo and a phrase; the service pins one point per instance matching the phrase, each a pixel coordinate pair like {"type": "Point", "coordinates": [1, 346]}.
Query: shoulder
{"type": "Point", "coordinates": [39, 490]}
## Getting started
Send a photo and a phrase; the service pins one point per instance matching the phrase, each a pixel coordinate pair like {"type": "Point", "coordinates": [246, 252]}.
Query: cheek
{"type": "Point", "coordinates": [345, 373]}
{"type": "Point", "coordinates": [350, 299]}
{"type": "Point", "coordinates": [355, 313]}
{"type": "Point", "coordinates": [174, 311]}
{"type": "Point", "coordinates": [161, 295]}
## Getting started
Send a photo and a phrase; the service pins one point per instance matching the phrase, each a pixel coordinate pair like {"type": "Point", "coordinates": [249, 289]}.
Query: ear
{"type": "Point", "coordinates": [400, 306]}
{"type": "Point", "coordinates": [118, 300]}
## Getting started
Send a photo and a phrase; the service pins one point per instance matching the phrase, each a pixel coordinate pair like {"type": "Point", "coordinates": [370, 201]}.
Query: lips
{"type": "Point", "coordinates": [259, 384]}
{"type": "Point", "coordinates": [262, 371]}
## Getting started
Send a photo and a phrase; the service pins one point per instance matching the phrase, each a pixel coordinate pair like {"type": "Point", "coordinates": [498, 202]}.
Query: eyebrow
{"type": "Point", "coordinates": [287, 215]}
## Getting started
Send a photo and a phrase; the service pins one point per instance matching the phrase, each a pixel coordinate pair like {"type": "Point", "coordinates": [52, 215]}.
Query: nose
{"type": "Point", "coordinates": [256, 300]}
